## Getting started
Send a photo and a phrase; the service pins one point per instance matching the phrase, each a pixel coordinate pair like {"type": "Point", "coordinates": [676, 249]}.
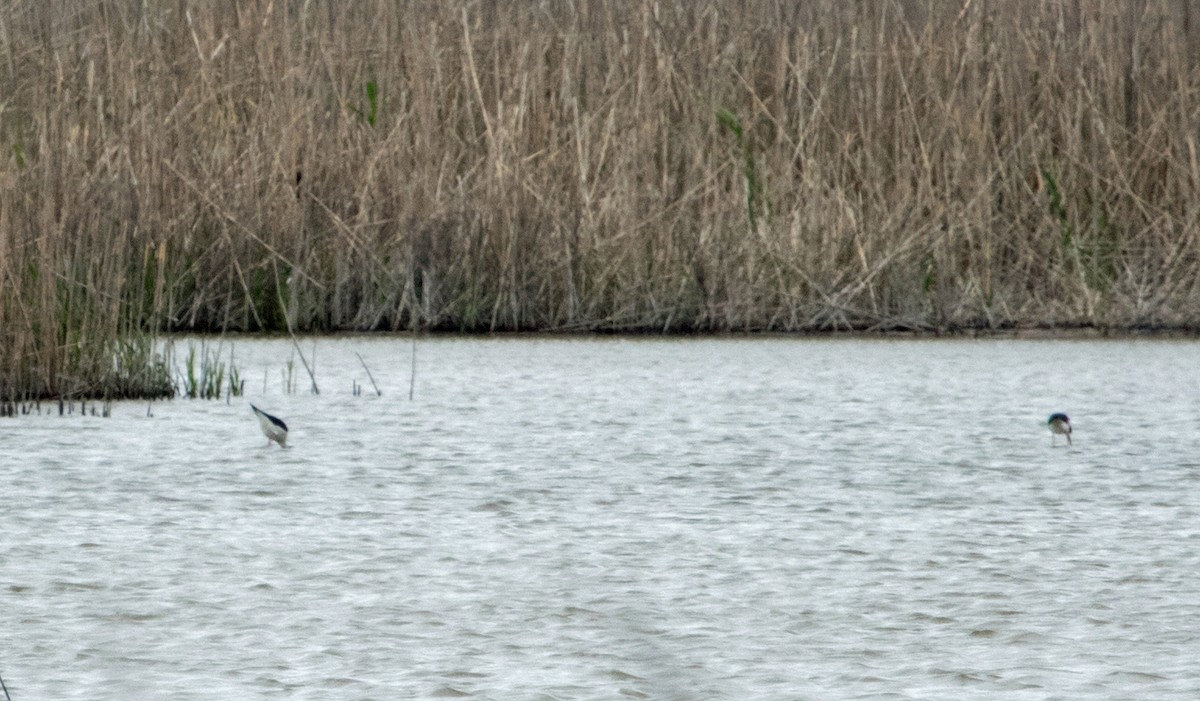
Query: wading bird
{"type": "Point", "coordinates": [272, 427]}
{"type": "Point", "coordinates": [1059, 425]}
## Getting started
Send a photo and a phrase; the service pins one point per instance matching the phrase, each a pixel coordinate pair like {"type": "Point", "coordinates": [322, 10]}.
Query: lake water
{"type": "Point", "coordinates": [614, 518]}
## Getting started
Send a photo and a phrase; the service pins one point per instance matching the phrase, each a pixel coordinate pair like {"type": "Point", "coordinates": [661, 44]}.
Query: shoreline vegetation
{"type": "Point", "coordinates": [631, 166]}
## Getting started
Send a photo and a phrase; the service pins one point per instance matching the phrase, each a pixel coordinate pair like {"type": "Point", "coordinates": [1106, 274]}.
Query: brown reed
{"type": "Point", "coordinates": [605, 165]}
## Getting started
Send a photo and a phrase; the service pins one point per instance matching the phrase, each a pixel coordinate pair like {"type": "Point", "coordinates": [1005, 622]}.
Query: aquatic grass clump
{"type": "Point", "coordinates": [78, 360]}
{"type": "Point", "coordinates": [140, 371]}
{"type": "Point", "coordinates": [203, 374]}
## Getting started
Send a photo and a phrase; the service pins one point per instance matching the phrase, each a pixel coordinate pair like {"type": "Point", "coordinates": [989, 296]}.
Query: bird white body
{"type": "Point", "coordinates": [1059, 425]}
{"type": "Point", "coordinates": [272, 427]}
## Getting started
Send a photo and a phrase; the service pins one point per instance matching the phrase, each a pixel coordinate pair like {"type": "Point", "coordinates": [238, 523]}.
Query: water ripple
{"type": "Point", "coordinates": [588, 519]}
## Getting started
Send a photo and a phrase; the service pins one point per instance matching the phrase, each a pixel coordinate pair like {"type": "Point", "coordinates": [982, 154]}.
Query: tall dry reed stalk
{"type": "Point", "coordinates": [594, 165]}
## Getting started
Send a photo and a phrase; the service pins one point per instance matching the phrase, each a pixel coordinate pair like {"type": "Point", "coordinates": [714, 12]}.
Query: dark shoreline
{"type": "Point", "coordinates": [1017, 333]}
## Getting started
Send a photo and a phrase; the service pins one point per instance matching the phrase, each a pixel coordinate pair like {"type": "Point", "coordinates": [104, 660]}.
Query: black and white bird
{"type": "Point", "coordinates": [1059, 425]}
{"type": "Point", "coordinates": [273, 427]}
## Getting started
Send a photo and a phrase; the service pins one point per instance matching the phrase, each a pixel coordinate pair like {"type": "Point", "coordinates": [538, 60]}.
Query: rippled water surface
{"type": "Point", "coordinates": [600, 519]}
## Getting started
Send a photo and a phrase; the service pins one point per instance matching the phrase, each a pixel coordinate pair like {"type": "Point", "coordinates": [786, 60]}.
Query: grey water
{"type": "Point", "coordinates": [618, 518]}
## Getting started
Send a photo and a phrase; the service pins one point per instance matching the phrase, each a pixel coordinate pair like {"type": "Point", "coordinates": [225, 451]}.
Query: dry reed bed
{"type": "Point", "coordinates": [596, 165]}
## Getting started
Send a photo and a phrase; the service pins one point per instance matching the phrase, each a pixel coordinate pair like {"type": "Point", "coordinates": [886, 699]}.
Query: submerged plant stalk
{"type": "Point", "coordinates": [369, 375]}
